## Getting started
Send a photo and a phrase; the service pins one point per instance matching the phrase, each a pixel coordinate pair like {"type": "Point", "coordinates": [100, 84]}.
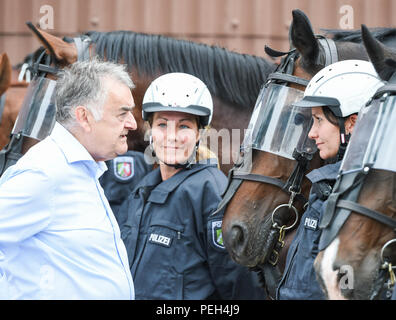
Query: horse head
{"type": "Point", "coordinates": [248, 230]}
{"type": "Point", "coordinates": [358, 242]}
{"type": "Point", "coordinates": [248, 219]}
{"type": "Point", "coordinates": [65, 51]}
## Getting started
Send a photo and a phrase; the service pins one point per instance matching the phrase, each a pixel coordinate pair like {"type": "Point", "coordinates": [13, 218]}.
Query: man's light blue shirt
{"type": "Point", "coordinates": [58, 235]}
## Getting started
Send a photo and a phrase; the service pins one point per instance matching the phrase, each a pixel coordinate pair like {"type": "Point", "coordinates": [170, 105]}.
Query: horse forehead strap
{"type": "Point", "coordinates": [329, 48]}
{"type": "Point", "coordinates": [82, 44]}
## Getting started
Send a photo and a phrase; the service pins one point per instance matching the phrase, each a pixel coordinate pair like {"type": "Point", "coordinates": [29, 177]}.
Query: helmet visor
{"type": "Point", "coordinates": [37, 115]}
{"type": "Point", "coordinates": [316, 101]}
{"type": "Point", "coordinates": [277, 126]}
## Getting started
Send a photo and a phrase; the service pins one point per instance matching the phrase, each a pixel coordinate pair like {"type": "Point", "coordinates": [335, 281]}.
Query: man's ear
{"type": "Point", "coordinates": [84, 118]}
{"type": "Point", "coordinates": [350, 123]}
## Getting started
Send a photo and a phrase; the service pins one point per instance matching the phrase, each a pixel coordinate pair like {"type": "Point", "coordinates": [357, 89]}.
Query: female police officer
{"type": "Point", "coordinates": [173, 241]}
{"type": "Point", "coordinates": [335, 96]}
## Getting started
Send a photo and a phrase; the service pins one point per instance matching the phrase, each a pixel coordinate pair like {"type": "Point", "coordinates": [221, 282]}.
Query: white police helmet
{"type": "Point", "coordinates": [344, 87]}
{"type": "Point", "coordinates": [180, 92]}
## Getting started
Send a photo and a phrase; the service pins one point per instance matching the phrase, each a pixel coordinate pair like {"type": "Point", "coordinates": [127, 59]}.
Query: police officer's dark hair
{"type": "Point", "coordinates": [329, 115]}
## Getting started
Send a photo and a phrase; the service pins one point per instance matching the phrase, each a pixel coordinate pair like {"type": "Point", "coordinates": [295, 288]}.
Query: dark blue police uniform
{"type": "Point", "coordinates": [174, 243]}
{"type": "Point", "coordinates": [122, 176]}
{"type": "Point", "coordinates": [299, 278]}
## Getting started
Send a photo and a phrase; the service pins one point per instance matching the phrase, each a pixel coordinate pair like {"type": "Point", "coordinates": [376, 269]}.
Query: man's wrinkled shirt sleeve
{"type": "Point", "coordinates": [25, 205]}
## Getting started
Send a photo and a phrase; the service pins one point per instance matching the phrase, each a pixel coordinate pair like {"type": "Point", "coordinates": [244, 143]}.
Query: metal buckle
{"type": "Point", "coordinates": [289, 207]}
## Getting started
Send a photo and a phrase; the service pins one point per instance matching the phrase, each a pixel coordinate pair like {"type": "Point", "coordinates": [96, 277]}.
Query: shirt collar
{"type": "Point", "coordinates": [74, 151]}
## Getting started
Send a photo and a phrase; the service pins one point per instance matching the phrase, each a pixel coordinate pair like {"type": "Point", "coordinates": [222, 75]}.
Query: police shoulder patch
{"type": "Point", "coordinates": [217, 235]}
{"type": "Point", "coordinates": [124, 168]}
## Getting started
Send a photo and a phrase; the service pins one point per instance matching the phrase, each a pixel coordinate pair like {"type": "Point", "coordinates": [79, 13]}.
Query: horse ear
{"type": "Point", "coordinates": [61, 50]}
{"type": "Point", "coordinates": [303, 38]}
{"type": "Point", "coordinates": [382, 58]}
{"type": "Point", "coordinates": [5, 73]}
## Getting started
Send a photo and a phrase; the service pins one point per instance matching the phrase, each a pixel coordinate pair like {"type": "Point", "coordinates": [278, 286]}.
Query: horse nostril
{"type": "Point", "coordinates": [238, 238]}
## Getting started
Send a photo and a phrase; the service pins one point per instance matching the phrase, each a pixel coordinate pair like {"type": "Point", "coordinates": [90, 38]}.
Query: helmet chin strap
{"type": "Point", "coordinates": [344, 140]}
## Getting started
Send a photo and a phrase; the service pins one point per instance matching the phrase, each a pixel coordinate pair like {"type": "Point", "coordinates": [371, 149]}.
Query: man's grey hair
{"type": "Point", "coordinates": [84, 84]}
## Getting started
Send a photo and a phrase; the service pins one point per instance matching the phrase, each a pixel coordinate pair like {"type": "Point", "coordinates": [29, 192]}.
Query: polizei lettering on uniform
{"type": "Point", "coordinates": [310, 223]}
{"type": "Point", "coordinates": [160, 239]}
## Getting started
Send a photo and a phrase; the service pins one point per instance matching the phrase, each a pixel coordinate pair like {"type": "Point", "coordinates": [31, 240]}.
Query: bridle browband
{"type": "Point", "coordinates": [268, 271]}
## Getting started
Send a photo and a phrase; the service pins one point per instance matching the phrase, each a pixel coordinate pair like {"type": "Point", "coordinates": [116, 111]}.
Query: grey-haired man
{"type": "Point", "coordinates": [59, 238]}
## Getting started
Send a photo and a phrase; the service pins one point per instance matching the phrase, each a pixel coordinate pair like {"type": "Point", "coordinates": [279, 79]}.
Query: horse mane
{"type": "Point", "coordinates": [30, 58]}
{"type": "Point", "coordinates": [231, 76]}
{"type": "Point", "coordinates": [384, 35]}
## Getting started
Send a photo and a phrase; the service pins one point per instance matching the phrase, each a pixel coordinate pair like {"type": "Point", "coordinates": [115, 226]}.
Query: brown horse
{"type": "Point", "coordinates": [233, 79]}
{"type": "Point", "coordinates": [358, 257]}
{"type": "Point", "coordinates": [248, 230]}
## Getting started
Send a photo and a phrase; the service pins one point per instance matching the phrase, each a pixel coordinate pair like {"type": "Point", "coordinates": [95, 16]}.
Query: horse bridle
{"type": "Point", "coordinates": [283, 74]}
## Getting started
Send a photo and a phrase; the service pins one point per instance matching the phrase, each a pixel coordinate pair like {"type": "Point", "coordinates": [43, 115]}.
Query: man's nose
{"type": "Point", "coordinates": [130, 122]}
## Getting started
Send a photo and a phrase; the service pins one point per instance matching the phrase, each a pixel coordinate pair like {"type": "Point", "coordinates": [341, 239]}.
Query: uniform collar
{"type": "Point", "coordinates": [327, 172]}
{"type": "Point", "coordinates": [74, 151]}
{"type": "Point", "coordinates": [154, 178]}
